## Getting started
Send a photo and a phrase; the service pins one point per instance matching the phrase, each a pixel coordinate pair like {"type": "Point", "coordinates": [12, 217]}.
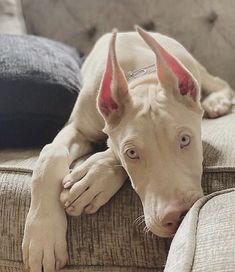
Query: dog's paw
{"type": "Point", "coordinates": [91, 184]}
{"type": "Point", "coordinates": [216, 105]}
{"type": "Point", "coordinates": [44, 244]}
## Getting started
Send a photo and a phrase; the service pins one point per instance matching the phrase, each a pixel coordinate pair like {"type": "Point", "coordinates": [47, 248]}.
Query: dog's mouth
{"type": "Point", "coordinates": [160, 231]}
{"type": "Point", "coordinates": [165, 227]}
{"type": "Point", "coordinates": [164, 217]}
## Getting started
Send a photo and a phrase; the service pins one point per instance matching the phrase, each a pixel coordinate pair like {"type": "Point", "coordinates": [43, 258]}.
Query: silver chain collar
{"type": "Point", "coordinates": [140, 72]}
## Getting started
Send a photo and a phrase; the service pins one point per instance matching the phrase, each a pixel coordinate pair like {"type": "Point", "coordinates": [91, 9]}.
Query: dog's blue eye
{"type": "Point", "coordinates": [184, 141]}
{"type": "Point", "coordinates": [132, 154]}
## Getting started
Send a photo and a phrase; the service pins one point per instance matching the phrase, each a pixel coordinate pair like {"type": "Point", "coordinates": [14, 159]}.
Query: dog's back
{"type": "Point", "coordinates": [134, 53]}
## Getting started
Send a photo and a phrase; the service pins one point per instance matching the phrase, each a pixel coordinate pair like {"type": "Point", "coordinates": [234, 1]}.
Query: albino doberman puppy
{"type": "Point", "coordinates": [153, 124]}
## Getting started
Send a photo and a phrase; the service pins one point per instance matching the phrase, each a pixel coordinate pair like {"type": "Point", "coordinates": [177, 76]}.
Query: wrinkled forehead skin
{"type": "Point", "coordinates": [152, 124]}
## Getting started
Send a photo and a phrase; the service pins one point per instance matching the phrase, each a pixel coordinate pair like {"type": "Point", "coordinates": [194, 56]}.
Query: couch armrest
{"type": "Point", "coordinates": [205, 239]}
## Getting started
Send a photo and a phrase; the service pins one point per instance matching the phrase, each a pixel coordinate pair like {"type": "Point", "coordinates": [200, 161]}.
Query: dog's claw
{"type": "Point", "coordinates": [58, 265]}
{"type": "Point", "coordinates": [67, 203]}
{"type": "Point", "coordinates": [68, 184]}
{"type": "Point", "coordinates": [66, 179]}
{"type": "Point", "coordinates": [89, 209]}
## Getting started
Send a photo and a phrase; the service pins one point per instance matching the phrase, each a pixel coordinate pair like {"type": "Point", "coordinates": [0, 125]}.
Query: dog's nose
{"type": "Point", "coordinates": [172, 219]}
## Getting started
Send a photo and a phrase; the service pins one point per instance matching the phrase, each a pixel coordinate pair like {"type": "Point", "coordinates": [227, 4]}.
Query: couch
{"type": "Point", "coordinates": [110, 240]}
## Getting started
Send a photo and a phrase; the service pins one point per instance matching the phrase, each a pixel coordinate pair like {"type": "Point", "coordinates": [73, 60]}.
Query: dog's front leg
{"type": "Point", "coordinates": [93, 183]}
{"type": "Point", "coordinates": [44, 244]}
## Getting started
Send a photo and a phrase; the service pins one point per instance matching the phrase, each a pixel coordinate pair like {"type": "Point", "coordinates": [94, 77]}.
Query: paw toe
{"type": "Point", "coordinates": [91, 209]}
{"type": "Point", "coordinates": [64, 196]}
{"type": "Point", "coordinates": [35, 265]}
{"type": "Point", "coordinates": [97, 202]}
{"type": "Point", "coordinates": [48, 263]}
{"type": "Point", "coordinates": [74, 211]}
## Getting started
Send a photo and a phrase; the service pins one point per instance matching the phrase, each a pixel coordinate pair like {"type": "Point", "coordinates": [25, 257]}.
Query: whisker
{"type": "Point", "coordinates": [140, 223]}
{"type": "Point", "coordinates": [146, 230]}
{"type": "Point", "coordinates": [138, 219]}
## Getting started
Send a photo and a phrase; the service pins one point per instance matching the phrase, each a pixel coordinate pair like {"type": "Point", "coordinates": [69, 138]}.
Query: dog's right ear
{"type": "Point", "coordinates": [173, 75]}
{"type": "Point", "coordinates": [113, 93]}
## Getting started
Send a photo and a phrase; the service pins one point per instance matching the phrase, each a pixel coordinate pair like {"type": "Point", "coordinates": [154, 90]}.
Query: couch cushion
{"type": "Point", "coordinates": [39, 83]}
{"type": "Point", "coordinates": [205, 239]}
{"type": "Point", "coordinates": [219, 153]}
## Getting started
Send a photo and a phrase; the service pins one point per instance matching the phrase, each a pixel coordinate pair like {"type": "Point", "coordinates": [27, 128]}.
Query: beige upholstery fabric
{"type": "Point", "coordinates": [205, 240]}
{"type": "Point", "coordinates": [219, 153]}
{"type": "Point", "coordinates": [11, 19]}
{"type": "Point", "coordinates": [206, 28]}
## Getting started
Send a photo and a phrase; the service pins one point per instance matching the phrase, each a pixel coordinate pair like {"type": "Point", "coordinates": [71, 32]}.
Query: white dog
{"type": "Point", "coordinates": [152, 119]}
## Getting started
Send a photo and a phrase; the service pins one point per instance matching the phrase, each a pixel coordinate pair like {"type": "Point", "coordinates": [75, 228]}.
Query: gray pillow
{"type": "Point", "coordinates": [39, 83]}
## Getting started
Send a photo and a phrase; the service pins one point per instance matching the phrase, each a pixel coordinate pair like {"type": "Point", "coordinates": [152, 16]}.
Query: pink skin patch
{"type": "Point", "coordinates": [186, 84]}
{"type": "Point", "coordinates": [106, 103]}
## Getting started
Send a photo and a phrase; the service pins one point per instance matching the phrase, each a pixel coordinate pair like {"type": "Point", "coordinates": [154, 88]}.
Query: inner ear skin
{"type": "Point", "coordinates": [113, 91]}
{"type": "Point", "coordinates": [188, 86]}
{"type": "Point", "coordinates": [165, 62]}
{"type": "Point", "coordinates": [185, 82]}
{"type": "Point", "coordinates": [106, 102]}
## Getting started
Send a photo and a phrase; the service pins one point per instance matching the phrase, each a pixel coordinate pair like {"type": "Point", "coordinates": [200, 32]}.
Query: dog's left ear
{"type": "Point", "coordinates": [173, 76]}
{"type": "Point", "coordinates": [113, 93]}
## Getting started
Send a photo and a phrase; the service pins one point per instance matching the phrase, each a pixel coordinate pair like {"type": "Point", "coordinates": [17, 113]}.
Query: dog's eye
{"type": "Point", "coordinates": [184, 140]}
{"type": "Point", "coordinates": [132, 154]}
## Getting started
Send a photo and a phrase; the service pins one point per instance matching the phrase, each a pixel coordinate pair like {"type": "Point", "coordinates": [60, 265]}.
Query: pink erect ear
{"type": "Point", "coordinates": [171, 73]}
{"type": "Point", "coordinates": [113, 93]}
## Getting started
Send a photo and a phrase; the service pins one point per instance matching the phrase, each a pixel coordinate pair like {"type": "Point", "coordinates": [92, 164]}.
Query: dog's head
{"type": "Point", "coordinates": [154, 128]}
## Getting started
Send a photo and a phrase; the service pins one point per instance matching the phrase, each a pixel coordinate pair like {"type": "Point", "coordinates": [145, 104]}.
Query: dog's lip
{"type": "Point", "coordinates": [160, 231]}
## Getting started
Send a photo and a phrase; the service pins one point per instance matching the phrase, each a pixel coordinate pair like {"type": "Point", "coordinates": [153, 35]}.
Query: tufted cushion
{"type": "Point", "coordinates": [205, 239]}
{"type": "Point", "coordinates": [205, 28]}
{"type": "Point", "coordinates": [39, 83]}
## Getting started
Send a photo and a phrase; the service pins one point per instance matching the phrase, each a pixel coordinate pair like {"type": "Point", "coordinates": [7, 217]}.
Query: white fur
{"type": "Point", "coordinates": [166, 178]}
